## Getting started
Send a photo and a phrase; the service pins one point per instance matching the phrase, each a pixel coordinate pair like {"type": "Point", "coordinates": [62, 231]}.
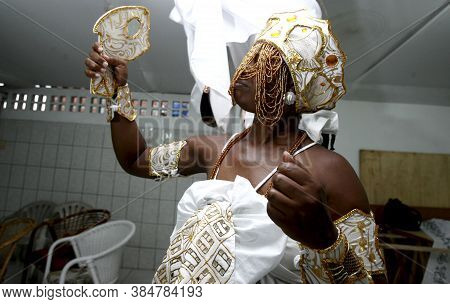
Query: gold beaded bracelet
{"type": "Point", "coordinates": [338, 262]}
{"type": "Point", "coordinates": [121, 104]}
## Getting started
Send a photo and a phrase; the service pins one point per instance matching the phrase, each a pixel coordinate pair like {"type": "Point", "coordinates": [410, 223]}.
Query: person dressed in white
{"type": "Point", "coordinates": [277, 207]}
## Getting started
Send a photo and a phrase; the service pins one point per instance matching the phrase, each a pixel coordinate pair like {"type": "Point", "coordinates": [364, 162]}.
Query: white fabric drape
{"type": "Point", "coordinates": [211, 26]}
{"type": "Point", "coordinates": [258, 244]}
{"type": "Point", "coordinates": [323, 121]}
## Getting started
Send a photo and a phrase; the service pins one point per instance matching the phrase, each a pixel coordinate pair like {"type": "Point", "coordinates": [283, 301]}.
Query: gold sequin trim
{"type": "Point", "coordinates": [163, 160]}
{"type": "Point", "coordinates": [305, 44]}
{"type": "Point", "coordinates": [361, 250]}
{"type": "Point", "coordinates": [202, 250]}
{"type": "Point", "coordinates": [347, 267]}
{"type": "Point", "coordinates": [350, 214]}
{"type": "Point", "coordinates": [122, 105]}
{"type": "Point", "coordinates": [112, 29]}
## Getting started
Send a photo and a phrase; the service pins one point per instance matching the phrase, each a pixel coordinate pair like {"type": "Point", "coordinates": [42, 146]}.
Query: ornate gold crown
{"type": "Point", "coordinates": [313, 55]}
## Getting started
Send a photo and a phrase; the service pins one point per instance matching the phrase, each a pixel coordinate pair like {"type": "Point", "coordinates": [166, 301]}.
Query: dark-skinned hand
{"type": "Point", "coordinates": [98, 62]}
{"type": "Point", "coordinates": [297, 204]}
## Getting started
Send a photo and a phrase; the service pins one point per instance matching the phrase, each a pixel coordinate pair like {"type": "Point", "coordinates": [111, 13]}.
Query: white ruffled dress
{"type": "Point", "coordinates": [224, 235]}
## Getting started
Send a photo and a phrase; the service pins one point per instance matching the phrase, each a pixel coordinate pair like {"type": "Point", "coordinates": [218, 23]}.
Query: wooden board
{"type": "Point", "coordinates": [417, 179]}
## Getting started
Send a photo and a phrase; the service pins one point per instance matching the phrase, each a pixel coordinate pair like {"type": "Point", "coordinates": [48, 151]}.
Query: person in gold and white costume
{"type": "Point", "coordinates": [277, 207]}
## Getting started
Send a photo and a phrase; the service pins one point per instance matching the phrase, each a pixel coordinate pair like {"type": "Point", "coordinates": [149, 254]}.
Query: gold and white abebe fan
{"type": "Point", "coordinates": [123, 32]}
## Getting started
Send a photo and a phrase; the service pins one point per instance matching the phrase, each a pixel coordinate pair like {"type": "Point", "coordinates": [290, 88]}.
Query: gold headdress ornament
{"type": "Point", "coordinates": [309, 51]}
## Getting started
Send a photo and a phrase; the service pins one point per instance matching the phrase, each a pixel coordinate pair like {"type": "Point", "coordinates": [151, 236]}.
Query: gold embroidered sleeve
{"type": "Point", "coordinates": [353, 258]}
{"type": "Point", "coordinates": [362, 235]}
{"type": "Point", "coordinates": [163, 160]}
{"type": "Point", "coordinates": [121, 104]}
{"type": "Point", "coordinates": [336, 264]}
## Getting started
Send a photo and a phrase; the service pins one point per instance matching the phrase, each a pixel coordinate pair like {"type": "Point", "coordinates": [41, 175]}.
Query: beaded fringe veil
{"type": "Point", "coordinates": [266, 64]}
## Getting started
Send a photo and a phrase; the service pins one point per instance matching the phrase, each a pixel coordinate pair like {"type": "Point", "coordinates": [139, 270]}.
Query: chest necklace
{"type": "Point", "coordinates": [300, 139]}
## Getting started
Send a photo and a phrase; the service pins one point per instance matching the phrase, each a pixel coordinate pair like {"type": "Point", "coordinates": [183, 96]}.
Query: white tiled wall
{"type": "Point", "coordinates": [60, 162]}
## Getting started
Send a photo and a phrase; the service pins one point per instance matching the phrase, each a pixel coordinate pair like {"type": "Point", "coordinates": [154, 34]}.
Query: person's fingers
{"type": "Point", "coordinates": [280, 200]}
{"type": "Point", "coordinates": [294, 172]}
{"type": "Point", "coordinates": [98, 60]}
{"type": "Point", "coordinates": [91, 74]}
{"type": "Point", "coordinates": [114, 61]}
{"type": "Point", "coordinates": [91, 65]}
{"type": "Point", "coordinates": [289, 158]}
{"type": "Point", "coordinates": [275, 215]}
{"type": "Point", "coordinates": [97, 48]}
{"type": "Point", "coordinates": [287, 186]}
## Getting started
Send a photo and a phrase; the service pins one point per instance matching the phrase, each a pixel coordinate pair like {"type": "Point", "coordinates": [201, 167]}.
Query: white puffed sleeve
{"type": "Point", "coordinates": [223, 235]}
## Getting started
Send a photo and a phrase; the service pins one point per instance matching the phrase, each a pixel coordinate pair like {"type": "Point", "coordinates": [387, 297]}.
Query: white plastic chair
{"type": "Point", "coordinates": [100, 249]}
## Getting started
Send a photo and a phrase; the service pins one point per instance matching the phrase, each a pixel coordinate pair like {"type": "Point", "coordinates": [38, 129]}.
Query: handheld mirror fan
{"type": "Point", "coordinates": [123, 32]}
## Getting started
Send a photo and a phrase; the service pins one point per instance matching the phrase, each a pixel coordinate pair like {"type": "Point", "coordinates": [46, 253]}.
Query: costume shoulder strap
{"type": "Point", "coordinates": [275, 170]}
{"type": "Point", "coordinates": [223, 149]}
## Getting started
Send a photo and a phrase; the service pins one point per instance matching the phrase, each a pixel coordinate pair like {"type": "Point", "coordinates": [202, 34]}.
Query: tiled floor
{"type": "Point", "coordinates": [135, 276]}
{"type": "Point", "coordinates": [126, 275]}
{"type": "Point", "coordinates": [14, 273]}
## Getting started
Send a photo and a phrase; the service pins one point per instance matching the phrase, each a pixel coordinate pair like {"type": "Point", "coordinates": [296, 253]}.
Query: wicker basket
{"type": "Point", "coordinates": [12, 231]}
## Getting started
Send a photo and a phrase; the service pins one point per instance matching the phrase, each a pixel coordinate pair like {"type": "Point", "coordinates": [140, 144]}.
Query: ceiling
{"type": "Point", "coordinates": [402, 44]}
